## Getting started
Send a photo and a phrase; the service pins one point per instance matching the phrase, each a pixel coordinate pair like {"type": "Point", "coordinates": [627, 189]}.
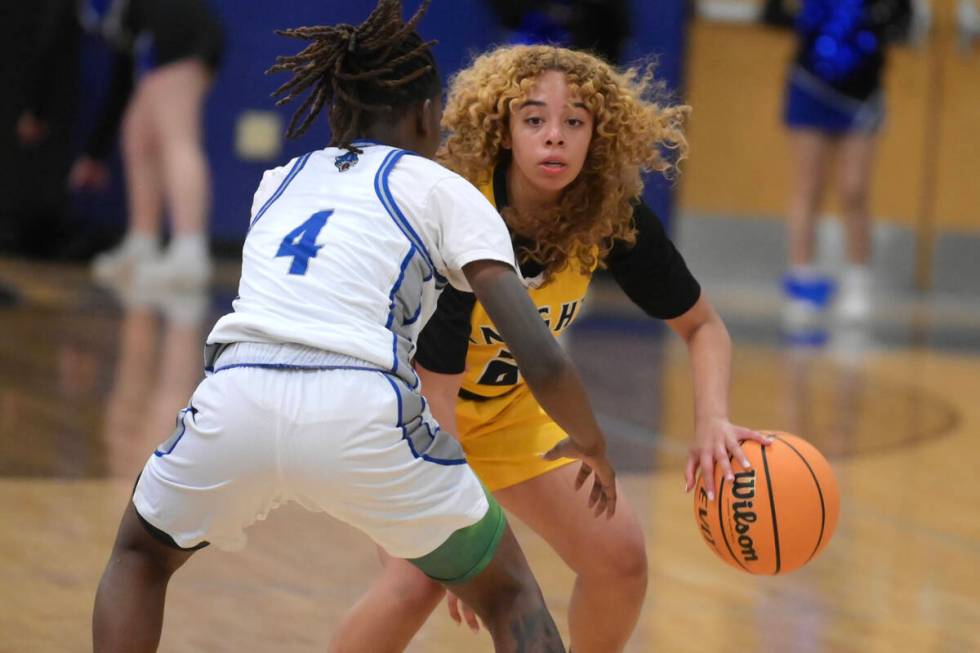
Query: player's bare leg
{"type": "Point", "coordinates": [391, 612]}
{"type": "Point", "coordinates": [129, 603]}
{"type": "Point", "coordinates": [811, 151]}
{"type": "Point", "coordinates": [607, 556]}
{"type": "Point", "coordinates": [509, 602]}
{"type": "Point", "coordinates": [178, 91]}
{"type": "Point", "coordinates": [144, 195]}
{"type": "Point", "coordinates": [504, 595]}
{"type": "Point", "coordinates": [855, 168]}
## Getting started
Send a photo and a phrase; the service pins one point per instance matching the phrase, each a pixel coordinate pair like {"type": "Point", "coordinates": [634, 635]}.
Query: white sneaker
{"type": "Point", "coordinates": [854, 304]}
{"type": "Point", "coordinates": [806, 294]}
{"type": "Point", "coordinates": [189, 272]}
{"type": "Point", "coordinates": [119, 264]}
{"type": "Point", "coordinates": [185, 307]}
{"type": "Point", "coordinates": [849, 344]}
{"type": "Point", "coordinates": [800, 314]}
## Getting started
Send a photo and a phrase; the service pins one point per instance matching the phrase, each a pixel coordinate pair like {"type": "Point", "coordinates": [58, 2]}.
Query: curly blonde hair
{"type": "Point", "coordinates": [632, 132]}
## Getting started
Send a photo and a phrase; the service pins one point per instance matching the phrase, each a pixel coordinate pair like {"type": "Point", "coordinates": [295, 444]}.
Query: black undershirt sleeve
{"type": "Point", "coordinates": [652, 272]}
{"type": "Point", "coordinates": [445, 339]}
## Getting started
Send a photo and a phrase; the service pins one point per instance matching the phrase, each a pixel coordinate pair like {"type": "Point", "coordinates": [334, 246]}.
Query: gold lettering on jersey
{"type": "Point", "coordinates": [568, 310]}
{"type": "Point", "coordinates": [545, 313]}
{"type": "Point", "coordinates": [565, 317]}
{"type": "Point", "coordinates": [489, 335]}
{"type": "Point", "coordinates": [501, 370]}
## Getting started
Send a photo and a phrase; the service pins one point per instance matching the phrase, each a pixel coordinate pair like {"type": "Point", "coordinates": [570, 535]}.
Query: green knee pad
{"type": "Point", "coordinates": [468, 551]}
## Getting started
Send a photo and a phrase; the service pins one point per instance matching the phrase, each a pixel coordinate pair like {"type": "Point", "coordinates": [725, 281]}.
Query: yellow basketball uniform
{"type": "Point", "coordinates": [502, 428]}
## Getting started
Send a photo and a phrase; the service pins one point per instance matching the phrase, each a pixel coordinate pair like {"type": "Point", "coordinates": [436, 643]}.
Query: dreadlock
{"type": "Point", "coordinates": [360, 72]}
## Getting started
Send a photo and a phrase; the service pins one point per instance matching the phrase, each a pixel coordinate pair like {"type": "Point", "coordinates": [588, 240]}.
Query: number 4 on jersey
{"type": "Point", "coordinates": [300, 243]}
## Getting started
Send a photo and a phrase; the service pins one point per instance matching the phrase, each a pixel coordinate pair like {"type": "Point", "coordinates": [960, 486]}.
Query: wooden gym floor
{"type": "Point", "coordinates": [90, 383]}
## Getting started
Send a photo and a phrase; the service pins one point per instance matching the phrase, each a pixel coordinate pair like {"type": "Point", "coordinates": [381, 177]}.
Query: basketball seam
{"type": "Point", "coordinates": [772, 507]}
{"type": "Point", "coordinates": [721, 526]}
{"type": "Point", "coordinates": [816, 481]}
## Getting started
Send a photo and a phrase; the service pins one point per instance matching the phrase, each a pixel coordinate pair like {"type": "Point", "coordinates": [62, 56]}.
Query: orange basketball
{"type": "Point", "coordinates": [778, 514]}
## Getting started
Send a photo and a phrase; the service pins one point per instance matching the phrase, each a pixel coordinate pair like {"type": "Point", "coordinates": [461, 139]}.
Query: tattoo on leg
{"type": "Point", "coordinates": [535, 632]}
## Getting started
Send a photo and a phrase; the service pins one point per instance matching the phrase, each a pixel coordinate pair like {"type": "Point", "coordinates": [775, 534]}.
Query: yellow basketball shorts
{"type": "Point", "coordinates": [504, 438]}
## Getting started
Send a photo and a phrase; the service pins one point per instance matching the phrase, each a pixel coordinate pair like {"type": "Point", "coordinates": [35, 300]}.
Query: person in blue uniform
{"type": "Point", "coordinates": [834, 100]}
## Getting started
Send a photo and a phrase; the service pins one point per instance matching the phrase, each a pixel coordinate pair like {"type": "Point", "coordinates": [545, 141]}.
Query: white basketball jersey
{"type": "Point", "coordinates": [348, 252]}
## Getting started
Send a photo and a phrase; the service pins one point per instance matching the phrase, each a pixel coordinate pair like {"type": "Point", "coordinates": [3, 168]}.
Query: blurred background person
{"type": "Point", "coordinates": [166, 54]}
{"type": "Point", "coordinates": [834, 101]}
{"type": "Point", "coordinates": [599, 26]}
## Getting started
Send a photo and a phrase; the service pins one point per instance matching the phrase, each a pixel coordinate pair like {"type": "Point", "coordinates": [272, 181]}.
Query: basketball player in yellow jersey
{"type": "Point", "coordinates": [557, 139]}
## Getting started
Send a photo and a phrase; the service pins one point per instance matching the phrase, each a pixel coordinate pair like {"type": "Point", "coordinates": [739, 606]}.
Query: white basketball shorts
{"type": "Point", "coordinates": [330, 432]}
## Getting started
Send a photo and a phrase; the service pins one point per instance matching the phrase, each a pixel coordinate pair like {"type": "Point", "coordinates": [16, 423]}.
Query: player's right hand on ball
{"type": "Point", "coordinates": [602, 498]}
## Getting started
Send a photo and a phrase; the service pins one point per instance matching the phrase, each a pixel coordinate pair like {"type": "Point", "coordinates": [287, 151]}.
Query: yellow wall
{"type": "Point", "coordinates": [958, 171]}
{"type": "Point", "coordinates": [740, 162]}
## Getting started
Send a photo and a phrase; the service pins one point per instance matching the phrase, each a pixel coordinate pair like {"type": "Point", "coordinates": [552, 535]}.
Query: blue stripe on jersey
{"type": "Point", "coordinates": [388, 201]}
{"type": "Point", "coordinates": [178, 434]}
{"type": "Point", "coordinates": [432, 434]}
{"type": "Point", "coordinates": [292, 366]}
{"type": "Point", "coordinates": [398, 284]}
{"type": "Point", "coordinates": [411, 446]}
{"type": "Point", "coordinates": [391, 305]}
{"type": "Point", "coordinates": [411, 320]}
{"type": "Point", "coordinates": [401, 216]}
{"type": "Point", "coordinates": [295, 170]}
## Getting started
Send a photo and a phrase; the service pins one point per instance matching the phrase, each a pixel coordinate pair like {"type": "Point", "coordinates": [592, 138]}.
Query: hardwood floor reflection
{"type": "Point", "coordinates": [91, 382]}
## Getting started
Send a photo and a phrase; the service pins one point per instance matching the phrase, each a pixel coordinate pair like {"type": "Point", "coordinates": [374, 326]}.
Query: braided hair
{"type": "Point", "coordinates": [363, 73]}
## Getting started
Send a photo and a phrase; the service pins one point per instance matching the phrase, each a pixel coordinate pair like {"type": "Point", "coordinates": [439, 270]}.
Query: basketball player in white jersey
{"type": "Point", "coordinates": [310, 394]}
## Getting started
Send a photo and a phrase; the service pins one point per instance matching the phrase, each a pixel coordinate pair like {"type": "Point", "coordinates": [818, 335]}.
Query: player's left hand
{"type": "Point", "coordinates": [459, 612]}
{"type": "Point", "coordinates": [714, 442]}
{"type": "Point", "coordinates": [602, 498]}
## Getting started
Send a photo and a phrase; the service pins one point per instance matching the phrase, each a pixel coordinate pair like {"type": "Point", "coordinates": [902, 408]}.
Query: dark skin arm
{"type": "Point", "coordinates": [549, 374]}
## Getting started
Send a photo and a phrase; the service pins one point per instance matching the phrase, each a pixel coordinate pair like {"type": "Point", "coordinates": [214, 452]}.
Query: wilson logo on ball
{"type": "Point", "coordinates": [775, 515]}
{"type": "Point", "coordinates": [742, 514]}
{"type": "Point", "coordinates": [703, 517]}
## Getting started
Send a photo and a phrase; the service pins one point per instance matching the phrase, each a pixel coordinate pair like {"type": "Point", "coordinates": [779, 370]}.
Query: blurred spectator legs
{"type": "Point", "coordinates": [165, 164]}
